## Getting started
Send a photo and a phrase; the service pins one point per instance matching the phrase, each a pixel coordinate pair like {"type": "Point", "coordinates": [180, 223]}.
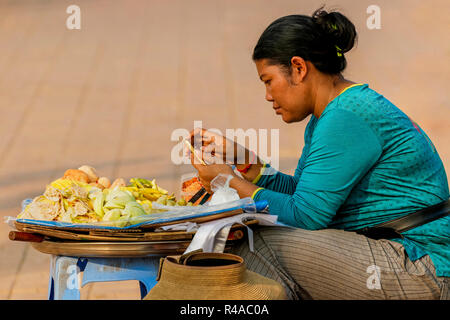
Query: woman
{"type": "Point", "coordinates": [364, 162]}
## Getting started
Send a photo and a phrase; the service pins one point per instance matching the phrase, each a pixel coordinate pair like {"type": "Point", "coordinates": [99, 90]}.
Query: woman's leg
{"type": "Point", "coordinates": [336, 264]}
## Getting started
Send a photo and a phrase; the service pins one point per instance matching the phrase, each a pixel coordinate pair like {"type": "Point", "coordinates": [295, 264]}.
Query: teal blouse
{"type": "Point", "coordinates": [364, 162]}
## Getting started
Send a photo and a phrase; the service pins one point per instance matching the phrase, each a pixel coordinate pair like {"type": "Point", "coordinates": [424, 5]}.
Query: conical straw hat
{"type": "Point", "coordinates": [212, 276]}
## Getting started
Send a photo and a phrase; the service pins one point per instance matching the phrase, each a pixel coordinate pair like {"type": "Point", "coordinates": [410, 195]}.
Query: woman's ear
{"type": "Point", "coordinates": [299, 69]}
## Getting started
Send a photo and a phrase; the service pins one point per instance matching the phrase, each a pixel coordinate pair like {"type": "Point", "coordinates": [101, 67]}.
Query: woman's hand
{"type": "Point", "coordinates": [206, 173]}
{"type": "Point", "coordinates": [214, 147]}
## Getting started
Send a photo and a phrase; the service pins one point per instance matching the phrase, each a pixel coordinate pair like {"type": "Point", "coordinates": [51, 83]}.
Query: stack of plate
{"type": "Point", "coordinates": [91, 241]}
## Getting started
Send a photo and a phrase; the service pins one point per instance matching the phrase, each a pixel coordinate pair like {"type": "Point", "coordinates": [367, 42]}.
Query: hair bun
{"type": "Point", "coordinates": [337, 28]}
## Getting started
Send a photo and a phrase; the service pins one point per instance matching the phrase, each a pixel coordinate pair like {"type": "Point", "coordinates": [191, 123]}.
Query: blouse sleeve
{"type": "Point", "coordinates": [343, 149]}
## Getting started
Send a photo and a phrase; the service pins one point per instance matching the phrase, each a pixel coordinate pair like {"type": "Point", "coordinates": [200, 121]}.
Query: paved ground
{"type": "Point", "coordinates": [111, 94]}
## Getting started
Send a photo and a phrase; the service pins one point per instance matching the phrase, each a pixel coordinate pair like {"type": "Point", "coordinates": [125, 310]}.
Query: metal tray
{"type": "Point", "coordinates": [111, 249]}
{"type": "Point", "coordinates": [114, 236]}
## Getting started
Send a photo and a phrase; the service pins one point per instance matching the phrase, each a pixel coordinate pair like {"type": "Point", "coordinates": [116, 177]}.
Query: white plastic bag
{"type": "Point", "coordinates": [222, 191]}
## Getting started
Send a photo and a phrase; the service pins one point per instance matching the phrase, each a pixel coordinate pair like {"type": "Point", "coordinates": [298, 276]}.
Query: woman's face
{"type": "Point", "coordinates": [290, 98]}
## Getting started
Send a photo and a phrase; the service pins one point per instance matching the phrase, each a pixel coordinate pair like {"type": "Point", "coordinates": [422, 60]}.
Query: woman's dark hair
{"type": "Point", "coordinates": [321, 39]}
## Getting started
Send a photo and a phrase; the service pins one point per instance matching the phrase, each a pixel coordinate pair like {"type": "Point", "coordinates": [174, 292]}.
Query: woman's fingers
{"type": "Point", "coordinates": [214, 153]}
{"type": "Point", "coordinates": [200, 168]}
{"type": "Point", "coordinates": [202, 135]}
{"type": "Point", "coordinates": [195, 161]}
{"type": "Point", "coordinates": [205, 184]}
{"type": "Point", "coordinates": [212, 146]}
{"type": "Point", "coordinates": [210, 154]}
{"type": "Point", "coordinates": [199, 132]}
{"type": "Point", "coordinates": [211, 149]}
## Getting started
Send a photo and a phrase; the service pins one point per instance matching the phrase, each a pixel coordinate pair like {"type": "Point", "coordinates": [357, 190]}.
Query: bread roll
{"type": "Point", "coordinates": [78, 175]}
{"type": "Point", "coordinates": [90, 171]}
{"type": "Point", "coordinates": [119, 182]}
{"type": "Point", "coordinates": [104, 181]}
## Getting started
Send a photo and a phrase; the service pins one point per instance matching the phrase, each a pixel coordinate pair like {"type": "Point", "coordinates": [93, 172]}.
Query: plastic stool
{"type": "Point", "coordinates": [66, 278]}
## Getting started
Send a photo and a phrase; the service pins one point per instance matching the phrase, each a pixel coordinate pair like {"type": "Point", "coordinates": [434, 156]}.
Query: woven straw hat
{"type": "Point", "coordinates": [212, 276]}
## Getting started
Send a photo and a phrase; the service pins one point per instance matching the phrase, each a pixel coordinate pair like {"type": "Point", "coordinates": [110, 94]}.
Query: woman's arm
{"type": "Point", "coordinates": [267, 177]}
{"type": "Point", "coordinates": [343, 148]}
{"type": "Point", "coordinates": [263, 175]}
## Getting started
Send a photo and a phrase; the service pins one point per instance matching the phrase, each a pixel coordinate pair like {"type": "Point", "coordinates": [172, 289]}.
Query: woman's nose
{"type": "Point", "coordinates": [269, 97]}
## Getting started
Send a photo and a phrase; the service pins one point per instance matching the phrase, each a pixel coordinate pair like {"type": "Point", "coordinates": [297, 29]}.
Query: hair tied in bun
{"type": "Point", "coordinates": [321, 38]}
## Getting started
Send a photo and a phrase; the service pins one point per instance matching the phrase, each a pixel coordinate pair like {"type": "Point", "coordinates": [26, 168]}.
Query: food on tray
{"type": "Point", "coordinates": [193, 192]}
{"type": "Point", "coordinates": [119, 182]}
{"type": "Point", "coordinates": [80, 196]}
{"type": "Point", "coordinates": [104, 181]}
{"type": "Point", "coordinates": [117, 206]}
{"type": "Point", "coordinates": [147, 191]}
{"type": "Point", "coordinates": [77, 175]}
{"type": "Point", "coordinates": [63, 200]}
{"type": "Point", "coordinates": [97, 185]}
{"type": "Point", "coordinates": [90, 171]}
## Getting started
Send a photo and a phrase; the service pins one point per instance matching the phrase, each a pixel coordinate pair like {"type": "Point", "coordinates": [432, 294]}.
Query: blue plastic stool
{"type": "Point", "coordinates": [66, 278]}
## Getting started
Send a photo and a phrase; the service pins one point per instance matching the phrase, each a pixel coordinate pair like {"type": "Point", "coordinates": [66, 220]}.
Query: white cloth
{"type": "Point", "coordinates": [183, 226]}
{"type": "Point", "coordinates": [212, 235]}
